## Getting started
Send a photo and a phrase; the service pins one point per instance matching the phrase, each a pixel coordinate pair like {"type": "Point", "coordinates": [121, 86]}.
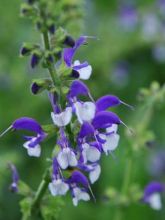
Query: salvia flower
{"type": "Point", "coordinates": [79, 70]}
{"type": "Point", "coordinates": [152, 194]}
{"type": "Point", "coordinates": [32, 143]}
{"type": "Point", "coordinates": [15, 178]}
{"type": "Point", "coordinates": [58, 186]}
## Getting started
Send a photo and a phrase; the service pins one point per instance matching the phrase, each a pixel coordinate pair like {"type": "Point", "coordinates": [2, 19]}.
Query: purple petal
{"type": "Point", "coordinates": [37, 140]}
{"type": "Point", "coordinates": [79, 178]}
{"type": "Point", "coordinates": [104, 119]}
{"type": "Point", "coordinates": [55, 167]}
{"type": "Point", "coordinates": [70, 52]}
{"type": "Point", "coordinates": [28, 124]}
{"type": "Point", "coordinates": [53, 97]}
{"type": "Point", "coordinates": [80, 66]}
{"type": "Point", "coordinates": [86, 130]}
{"type": "Point", "coordinates": [78, 88]}
{"type": "Point", "coordinates": [106, 102]}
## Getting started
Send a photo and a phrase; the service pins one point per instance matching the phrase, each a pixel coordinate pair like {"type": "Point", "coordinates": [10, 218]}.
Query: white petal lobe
{"type": "Point", "coordinates": [58, 187]}
{"type": "Point", "coordinates": [63, 118]}
{"type": "Point", "coordinates": [79, 195]}
{"type": "Point", "coordinates": [67, 158]}
{"type": "Point", "coordinates": [32, 151]}
{"type": "Point", "coordinates": [85, 72]}
{"type": "Point", "coordinates": [155, 201]}
{"type": "Point", "coordinates": [111, 143]}
{"type": "Point", "coordinates": [85, 111]}
{"type": "Point", "coordinates": [94, 174]}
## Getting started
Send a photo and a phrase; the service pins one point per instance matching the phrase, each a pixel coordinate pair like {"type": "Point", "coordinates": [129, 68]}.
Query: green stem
{"type": "Point", "coordinates": [41, 191]}
{"type": "Point", "coordinates": [35, 206]}
{"type": "Point", "coordinates": [127, 176]}
{"type": "Point", "coordinates": [50, 67]}
{"type": "Point", "coordinates": [124, 188]}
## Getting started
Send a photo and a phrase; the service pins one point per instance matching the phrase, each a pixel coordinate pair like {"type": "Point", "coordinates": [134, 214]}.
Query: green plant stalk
{"type": "Point", "coordinates": [46, 178]}
{"type": "Point", "coordinates": [125, 185]}
{"type": "Point", "coordinates": [41, 191]}
{"type": "Point", "coordinates": [51, 68]}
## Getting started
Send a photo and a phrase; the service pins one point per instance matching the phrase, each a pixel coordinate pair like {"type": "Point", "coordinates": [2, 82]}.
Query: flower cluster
{"type": "Point", "coordinates": [93, 128]}
{"type": "Point", "coordinates": [96, 133]}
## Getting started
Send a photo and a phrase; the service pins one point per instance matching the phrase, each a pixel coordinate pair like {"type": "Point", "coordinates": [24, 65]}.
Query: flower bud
{"type": "Point", "coordinates": [49, 57]}
{"type": "Point", "coordinates": [35, 59]}
{"type": "Point", "coordinates": [27, 48]}
{"type": "Point", "coordinates": [31, 1]}
{"type": "Point", "coordinates": [27, 10]}
{"type": "Point", "coordinates": [40, 85]}
{"type": "Point", "coordinates": [69, 41]}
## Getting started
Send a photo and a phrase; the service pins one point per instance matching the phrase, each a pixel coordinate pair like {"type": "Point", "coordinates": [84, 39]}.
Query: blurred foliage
{"type": "Point", "coordinates": [124, 60]}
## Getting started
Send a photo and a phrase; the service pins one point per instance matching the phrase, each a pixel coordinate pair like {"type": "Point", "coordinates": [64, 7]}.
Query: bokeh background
{"type": "Point", "coordinates": [128, 55]}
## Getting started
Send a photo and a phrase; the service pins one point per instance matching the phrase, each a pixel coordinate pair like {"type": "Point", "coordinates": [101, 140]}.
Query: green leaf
{"type": "Point", "coordinates": [49, 129]}
{"type": "Point", "coordinates": [25, 205]}
{"type": "Point", "coordinates": [24, 189]}
{"type": "Point", "coordinates": [51, 208]}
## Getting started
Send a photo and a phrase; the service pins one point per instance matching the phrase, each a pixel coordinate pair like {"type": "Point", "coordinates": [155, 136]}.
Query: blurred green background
{"type": "Point", "coordinates": [128, 55]}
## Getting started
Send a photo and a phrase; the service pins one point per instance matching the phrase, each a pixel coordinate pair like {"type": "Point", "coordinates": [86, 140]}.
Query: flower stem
{"type": "Point", "coordinates": [40, 192]}
{"type": "Point", "coordinates": [124, 188]}
{"type": "Point", "coordinates": [50, 67]}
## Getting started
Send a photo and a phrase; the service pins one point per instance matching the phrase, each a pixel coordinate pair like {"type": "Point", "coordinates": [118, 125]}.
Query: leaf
{"type": "Point", "coordinates": [51, 208]}
{"type": "Point", "coordinates": [49, 129]}
{"type": "Point", "coordinates": [24, 189]}
{"type": "Point", "coordinates": [25, 205]}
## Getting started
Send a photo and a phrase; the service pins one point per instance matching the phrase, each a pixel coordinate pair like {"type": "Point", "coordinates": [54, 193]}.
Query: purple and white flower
{"type": "Point", "coordinates": [32, 143]}
{"type": "Point", "coordinates": [152, 194]}
{"type": "Point", "coordinates": [58, 186]}
{"type": "Point", "coordinates": [63, 118]}
{"type": "Point", "coordinates": [79, 70]}
{"type": "Point", "coordinates": [79, 192]}
{"type": "Point", "coordinates": [66, 157]}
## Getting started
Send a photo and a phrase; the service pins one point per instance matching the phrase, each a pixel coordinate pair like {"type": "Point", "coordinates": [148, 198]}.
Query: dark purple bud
{"type": "Point", "coordinates": [78, 178]}
{"type": "Point", "coordinates": [35, 60]}
{"type": "Point", "coordinates": [69, 41]}
{"type": "Point", "coordinates": [78, 88]}
{"type": "Point", "coordinates": [50, 58]}
{"type": "Point", "coordinates": [52, 29]}
{"type": "Point", "coordinates": [75, 74]}
{"type": "Point", "coordinates": [35, 88]}
{"type": "Point", "coordinates": [31, 1]}
{"type": "Point", "coordinates": [25, 51]}
{"type": "Point", "coordinates": [40, 85]}
{"type": "Point", "coordinates": [104, 119]}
